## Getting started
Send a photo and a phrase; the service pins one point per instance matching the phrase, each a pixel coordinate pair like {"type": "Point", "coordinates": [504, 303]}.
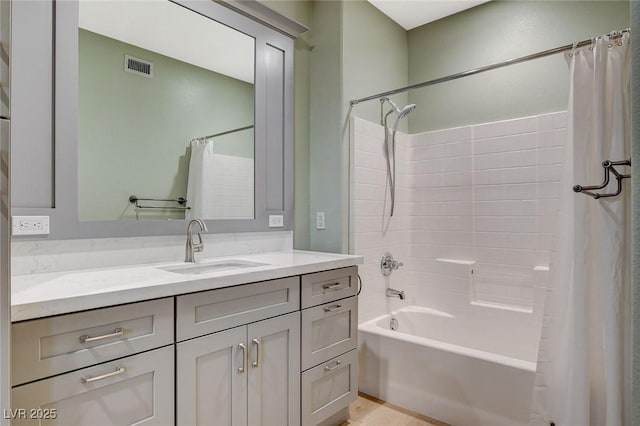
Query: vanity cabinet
{"type": "Point", "coordinates": [248, 370]}
{"type": "Point", "coordinates": [109, 366]}
{"type": "Point", "coordinates": [48, 346]}
{"type": "Point", "coordinates": [329, 341]}
{"type": "Point", "coordinates": [329, 330]}
{"type": "Point", "coordinates": [248, 375]}
{"type": "Point", "coordinates": [245, 355]}
{"type": "Point", "coordinates": [133, 390]}
{"type": "Point", "coordinates": [329, 388]}
{"type": "Point", "coordinates": [215, 310]}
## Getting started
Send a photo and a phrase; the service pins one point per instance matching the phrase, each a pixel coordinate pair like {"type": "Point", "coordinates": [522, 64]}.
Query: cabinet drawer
{"type": "Point", "coordinates": [329, 330]}
{"type": "Point", "coordinates": [48, 346]}
{"type": "Point", "coordinates": [327, 286]}
{"type": "Point", "coordinates": [329, 387]}
{"type": "Point", "coordinates": [216, 310]}
{"type": "Point", "coordinates": [133, 390]}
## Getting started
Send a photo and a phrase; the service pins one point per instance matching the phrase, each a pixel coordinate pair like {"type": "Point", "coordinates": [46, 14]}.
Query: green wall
{"type": "Point", "coordinates": [375, 57]}
{"type": "Point", "coordinates": [374, 60]}
{"type": "Point", "coordinates": [491, 33]}
{"type": "Point", "coordinates": [134, 132]}
{"type": "Point", "coordinates": [353, 50]}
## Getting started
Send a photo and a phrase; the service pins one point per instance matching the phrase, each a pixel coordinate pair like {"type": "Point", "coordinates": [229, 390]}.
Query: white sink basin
{"type": "Point", "coordinates": [199, 268]}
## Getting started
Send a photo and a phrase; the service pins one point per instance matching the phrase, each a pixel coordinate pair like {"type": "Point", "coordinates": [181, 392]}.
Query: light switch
{"type": "Point", "coordinates": [320, 220]}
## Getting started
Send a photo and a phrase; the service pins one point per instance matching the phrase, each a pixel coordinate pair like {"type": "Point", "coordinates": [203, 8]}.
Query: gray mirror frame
{"type": "Point", "coordinates": [273, 180]}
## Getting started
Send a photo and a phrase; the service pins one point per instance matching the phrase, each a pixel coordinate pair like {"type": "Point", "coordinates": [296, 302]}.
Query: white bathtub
{"type": "Point", "coordinates": [460, 371]}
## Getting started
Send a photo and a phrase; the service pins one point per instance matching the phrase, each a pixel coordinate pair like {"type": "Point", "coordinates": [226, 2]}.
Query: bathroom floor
{"type": "Point", "coordinates": [370, 411]}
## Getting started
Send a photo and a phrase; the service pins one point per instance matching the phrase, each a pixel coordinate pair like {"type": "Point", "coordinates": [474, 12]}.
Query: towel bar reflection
{"type": "Point", "coordinates": [609, 168]}
{"type": "Point", "coordinates": [181, 201]}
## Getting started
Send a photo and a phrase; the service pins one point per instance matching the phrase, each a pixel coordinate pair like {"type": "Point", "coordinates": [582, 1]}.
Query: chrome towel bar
{"type": "Point", "coordinates": [134, 199]}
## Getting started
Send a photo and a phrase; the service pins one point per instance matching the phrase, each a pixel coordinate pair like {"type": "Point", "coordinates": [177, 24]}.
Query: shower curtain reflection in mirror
{"type": "Point", "coordinates": [220, 182]}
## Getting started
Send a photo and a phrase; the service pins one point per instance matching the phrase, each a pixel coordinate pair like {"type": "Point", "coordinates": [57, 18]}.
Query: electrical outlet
{"type": "Point", "coordinates": [30, 225]}
{"type": "Point", "coordinates": [320, 224]}
{"type": "Point", "coordinates": [276, 221]}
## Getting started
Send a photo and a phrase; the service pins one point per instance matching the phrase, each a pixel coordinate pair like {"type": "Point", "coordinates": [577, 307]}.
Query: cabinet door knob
{"type": "Point", "coordinates": [119, 370]}
{"type": "Point", "coordinates": [333, 286]}
{"type": "Point", "coordinates": [256, 363]}
{"type": "Point", "coordinates": [333, 308]}
{"type": "Point", "coordinates": [327, 368]}
{"type": "Point", "coordinates": [243, 347]}
{"type": "Point", "coordinates": [88, 339]}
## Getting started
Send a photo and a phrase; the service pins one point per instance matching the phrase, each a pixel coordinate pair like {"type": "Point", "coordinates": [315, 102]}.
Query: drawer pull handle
{"type": "Point", "coordinates": [88, 339]}
{"type": "Point", "coordinates": [256, 363]}
{"type": "Point", "coordinates": [244, 358]}
{"type": "Point", "coordinates": [119, 370]}
{"type": "Point", "coordinates": [334, 286]}
{"type": "Point", "coordinates": [327, 368]}
{"type": "Point", "coordinates": [332, 308]}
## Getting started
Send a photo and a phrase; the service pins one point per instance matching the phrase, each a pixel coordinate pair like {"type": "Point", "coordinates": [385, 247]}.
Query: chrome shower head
{"type": "Point", "coordinates": [406, 110]}
{"type": "Point", "coordinates": [401, 113]}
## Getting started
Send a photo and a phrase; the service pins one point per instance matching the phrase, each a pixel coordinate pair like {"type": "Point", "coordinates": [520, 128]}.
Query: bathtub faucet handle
{"type": "Point", "coordinates": [388, 264]}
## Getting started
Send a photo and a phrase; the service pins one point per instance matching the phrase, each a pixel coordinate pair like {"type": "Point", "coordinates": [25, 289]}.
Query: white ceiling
{"type": "Point", "coordinates": [413, 13]}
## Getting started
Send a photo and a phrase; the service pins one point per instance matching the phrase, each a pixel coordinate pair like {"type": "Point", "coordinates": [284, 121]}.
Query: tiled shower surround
{"type": "Point", "coordinates": [475, 208]}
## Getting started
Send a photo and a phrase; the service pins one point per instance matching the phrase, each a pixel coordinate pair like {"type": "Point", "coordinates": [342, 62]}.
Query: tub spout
{"type": "Point", "coordinates": [395, 293]}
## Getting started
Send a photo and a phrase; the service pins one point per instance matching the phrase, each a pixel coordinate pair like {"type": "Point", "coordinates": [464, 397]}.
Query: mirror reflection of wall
{"type": "Point", "coordinates": [136, 126]}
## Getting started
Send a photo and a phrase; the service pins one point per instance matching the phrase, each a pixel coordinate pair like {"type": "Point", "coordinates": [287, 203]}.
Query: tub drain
{"type": "Point", "coordinates": [393, 324]}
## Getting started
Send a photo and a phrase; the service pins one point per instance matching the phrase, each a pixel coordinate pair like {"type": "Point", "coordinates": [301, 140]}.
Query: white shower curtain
{"type": "Point", "coordinates": [200, 173]}
{"type": "Point", "coordinates": [219, 186]}
{"type": "Point", "coordinates": [584, 376]}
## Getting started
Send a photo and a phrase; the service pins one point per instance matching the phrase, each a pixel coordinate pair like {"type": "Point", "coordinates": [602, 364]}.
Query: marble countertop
{"type": "Point", "coordinates": [40, 295]}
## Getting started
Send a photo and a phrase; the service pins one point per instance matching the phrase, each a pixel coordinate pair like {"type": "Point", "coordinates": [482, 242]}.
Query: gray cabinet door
{"type": "Point", "coordinates": [274, 371]}
{"type": "Point", "coordinates": [133, 390]}
{"type": "Point", "coordinates": [212, 380]}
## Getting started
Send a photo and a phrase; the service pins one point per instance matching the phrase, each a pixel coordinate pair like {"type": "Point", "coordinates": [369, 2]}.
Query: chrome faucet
{"type": "Point", "coordinates": [191, 246]}
{"type": "Point", "coordinates": [391, 292]}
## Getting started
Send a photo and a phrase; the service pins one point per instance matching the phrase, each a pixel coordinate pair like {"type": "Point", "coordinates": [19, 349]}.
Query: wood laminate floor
{"type": "Point", "coordinates": [370, 411]}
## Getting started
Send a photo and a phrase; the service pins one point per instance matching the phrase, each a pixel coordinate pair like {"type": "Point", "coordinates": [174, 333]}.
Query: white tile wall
{"type": "Point", "coordinates": [374, 232]}
{"type": "Point", "coordinates": [230, 188]}
{"type": "Point", "coordinates": [486, 193]}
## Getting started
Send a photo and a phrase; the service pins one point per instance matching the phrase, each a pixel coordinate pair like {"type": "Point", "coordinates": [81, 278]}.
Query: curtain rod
{"type": "Point", "coordinates": [224, 133]}
{"type": "Point", "coordinates": [542, 54]}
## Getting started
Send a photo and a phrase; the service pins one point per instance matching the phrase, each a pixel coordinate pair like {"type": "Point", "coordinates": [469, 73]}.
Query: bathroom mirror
{"type": "Point", "coordinates": [101, 134]}
{"type": "Point", "coordinates": [166, 114]}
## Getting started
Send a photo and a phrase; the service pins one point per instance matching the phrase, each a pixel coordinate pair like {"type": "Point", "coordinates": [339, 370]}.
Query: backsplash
{"type": "Point", "coordinates": [33, 257]}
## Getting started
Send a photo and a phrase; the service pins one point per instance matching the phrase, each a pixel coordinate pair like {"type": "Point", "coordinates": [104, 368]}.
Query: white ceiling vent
{"type": "Point", "coordinates": [138, 66]}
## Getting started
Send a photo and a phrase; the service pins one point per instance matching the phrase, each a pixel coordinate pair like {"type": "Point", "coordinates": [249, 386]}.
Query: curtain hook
{"type": "Point", "coordinates": [573, 49]}
{"type": "Point", "coordinates": [611, 38]}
